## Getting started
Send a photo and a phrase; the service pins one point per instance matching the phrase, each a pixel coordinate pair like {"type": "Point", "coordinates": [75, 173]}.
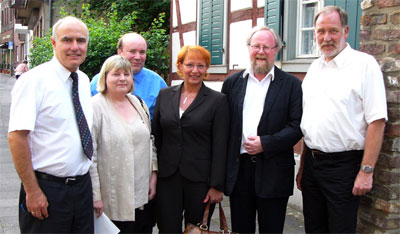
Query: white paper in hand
{"type": "Point", "coordinates": [103, 225]}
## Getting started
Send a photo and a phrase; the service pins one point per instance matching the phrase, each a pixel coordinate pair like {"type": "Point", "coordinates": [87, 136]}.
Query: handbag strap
{"type": "Point", "coordinates": [204, 222]}
{"type": "Point", "coordinates": [222, 220]}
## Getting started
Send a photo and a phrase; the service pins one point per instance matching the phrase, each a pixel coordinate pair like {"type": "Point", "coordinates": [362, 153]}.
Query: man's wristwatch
{"type": "Point", "coordinates": [367, 168]}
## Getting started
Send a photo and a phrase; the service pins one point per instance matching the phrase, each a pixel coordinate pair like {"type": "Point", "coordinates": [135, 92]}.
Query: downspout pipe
{"type": "Point", "coordinates": [50, 13]}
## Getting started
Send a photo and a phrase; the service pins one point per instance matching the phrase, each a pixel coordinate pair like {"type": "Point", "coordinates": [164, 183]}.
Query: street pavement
{"type": "Point", "coordinates": [10, 183]}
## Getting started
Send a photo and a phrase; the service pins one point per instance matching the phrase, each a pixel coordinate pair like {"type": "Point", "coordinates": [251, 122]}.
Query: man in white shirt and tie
{"type": "Point", "coordinates": [51, 145]}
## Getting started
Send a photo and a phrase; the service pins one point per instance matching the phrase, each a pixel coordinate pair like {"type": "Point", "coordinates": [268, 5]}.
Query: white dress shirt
{"type": "Point", "coordinates": [253, 105]}
{"type": "Point", "coordinates": [340, 99]}
{"type": "Point", "coordinates": [42, 104]}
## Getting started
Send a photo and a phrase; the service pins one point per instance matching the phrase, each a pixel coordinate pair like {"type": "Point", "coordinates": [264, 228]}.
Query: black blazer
{"type": "Point", "coordinates": [195, 144]}
{"type": "Point", "coordinates": [279, 130]}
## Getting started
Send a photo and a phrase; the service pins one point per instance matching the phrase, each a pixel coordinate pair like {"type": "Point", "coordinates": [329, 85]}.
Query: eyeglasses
{"type": "Point", "coordinates": [266, 49]}
{"type": "Point", "coordinates": [192, 66]}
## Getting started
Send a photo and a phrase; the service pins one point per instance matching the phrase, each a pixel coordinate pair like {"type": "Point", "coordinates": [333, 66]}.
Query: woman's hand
{"type": "Point", "coordinates": [214, 196]}
{"type": "Point", "coordinates": [98, 207]}
{"type": "Point", "coordinates": [152, 186]}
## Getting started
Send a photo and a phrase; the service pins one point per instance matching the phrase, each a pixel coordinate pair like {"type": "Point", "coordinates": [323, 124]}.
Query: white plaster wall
{"type": "Point", "coordinates": [260, 21]}
{"type": "Point", "coordinates": [189, 38]}
{"type": "Point", "coordinates": [188, 11]}
{"type": "Point", "coordinates": [240, 4]}
{"type": "Point", "coordinates": [260, 3]}
{"type": "Point", "coordinates": [239, 55]}
{"type": "Point", "coordinates": [174, 17]}
{"type": "Point", "coordinates": [245, 4]}
{"type": "Point", "coordinates": [175, 49]}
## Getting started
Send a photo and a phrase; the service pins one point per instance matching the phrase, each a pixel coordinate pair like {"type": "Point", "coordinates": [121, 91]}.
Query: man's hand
{"type": "Point", "coordinates": [36, 201]}
{"type": "Point", "coordinates": [214, 196]}
{"type": "Point", "coordinates": [36, 204]}
{"type": "Point", "coordinates": [253, 145]}
{"type": "Point", "coordinates": [98, 207]}
{"type": "Point", "coordinates": [373, 144]}
{"type": "Point", "coordinates": [298, 178]}
{"type": "Point", "coordinates": [363, 183]}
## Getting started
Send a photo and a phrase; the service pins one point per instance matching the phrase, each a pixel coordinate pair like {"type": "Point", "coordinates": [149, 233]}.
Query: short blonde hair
{"type": "Point", "coordinates": [114, 62]}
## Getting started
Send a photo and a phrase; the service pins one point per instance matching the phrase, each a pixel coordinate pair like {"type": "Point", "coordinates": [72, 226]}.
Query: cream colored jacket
{"type": "Point", "coordinates": [112, 171]}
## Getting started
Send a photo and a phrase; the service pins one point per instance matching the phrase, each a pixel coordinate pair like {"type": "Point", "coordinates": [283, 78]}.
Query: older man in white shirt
{"type": "Point", "coordinates": [344, 113]}
{"type": "Point", "coordinates": [265, 107]}
{"type": "Point", "coordinates": [50, 140]}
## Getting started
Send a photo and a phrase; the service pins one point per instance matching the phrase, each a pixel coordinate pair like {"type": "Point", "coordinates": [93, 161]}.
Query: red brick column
{"type": "Point", "coordinates": [380, 36]}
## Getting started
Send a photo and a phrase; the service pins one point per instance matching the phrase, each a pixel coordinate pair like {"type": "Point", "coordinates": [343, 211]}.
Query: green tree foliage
{"type": "Point", "coordinates": [158, 47]}
{"type": "Point", "coordinates": [41, 51]}
{"type": "Point", "coordinates": [146, 11]}
{"type": "Point", "coordinates": [104, 34]}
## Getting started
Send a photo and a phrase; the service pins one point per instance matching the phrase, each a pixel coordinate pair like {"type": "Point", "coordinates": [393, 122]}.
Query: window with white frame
{"type": "Point", "coordinates": [307, 9]}
{"type": "Point", "coordinates": [298, 34]}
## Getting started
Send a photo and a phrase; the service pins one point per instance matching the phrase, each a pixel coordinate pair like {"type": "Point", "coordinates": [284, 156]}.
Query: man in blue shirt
{"type": "Point", "coordinates": [147, 83]}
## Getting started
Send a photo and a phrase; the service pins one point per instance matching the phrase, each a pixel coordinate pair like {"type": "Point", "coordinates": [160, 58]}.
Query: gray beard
{"type": "Point", "coordinates": [260, 69]}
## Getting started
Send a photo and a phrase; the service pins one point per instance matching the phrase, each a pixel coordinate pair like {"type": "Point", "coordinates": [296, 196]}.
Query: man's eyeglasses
{"type": "Point", "coordinates": [192, 66]}
{"type": "Point", "coordinates": [266, 49]}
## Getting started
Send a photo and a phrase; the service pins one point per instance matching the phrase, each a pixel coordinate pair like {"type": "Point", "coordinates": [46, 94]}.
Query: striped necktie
{"type": "Point", "coordinates": [84, 131]}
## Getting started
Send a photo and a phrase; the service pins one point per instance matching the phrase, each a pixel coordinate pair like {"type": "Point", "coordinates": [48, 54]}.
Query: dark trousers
{"type": "Point", "coordinates": [245, 204]}
{"type": "Point", "coordinates": [144, 220]}
{"type": "Point", "coordinates": [327, 183]}
{"type": "Point", "coordinates": [70, 208]}
{"type": "Point", "coordinates": [178, 197]}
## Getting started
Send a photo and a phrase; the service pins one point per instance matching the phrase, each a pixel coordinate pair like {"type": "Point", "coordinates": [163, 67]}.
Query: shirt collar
{"type": "Point", "coordinates": [271, 73]}
{"type": "Point", "coordinates": [62, 73]}
{"type": "Point", "coordinates": [138, 77]}
{"type": "Point", "coordinates": [339, 59]}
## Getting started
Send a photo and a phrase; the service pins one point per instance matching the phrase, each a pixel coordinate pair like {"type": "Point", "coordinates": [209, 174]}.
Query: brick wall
{"type": "Point", "coordinates": [380, 36]}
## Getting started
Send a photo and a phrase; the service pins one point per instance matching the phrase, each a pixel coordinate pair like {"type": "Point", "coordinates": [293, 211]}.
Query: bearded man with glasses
{"type": "Point", "coordinates": [265, 109]}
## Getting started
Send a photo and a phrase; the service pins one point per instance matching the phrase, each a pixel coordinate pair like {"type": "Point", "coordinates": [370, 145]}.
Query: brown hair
{"type": "Point", "coordinates": [328, 9]}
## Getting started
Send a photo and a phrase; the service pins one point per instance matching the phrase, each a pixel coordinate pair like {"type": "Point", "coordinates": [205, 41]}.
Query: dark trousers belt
{"type": "Point", "coordinates": [320, 155]}
{"type": "Point", "coordinates": [252, 158]}
{"type": "Point", "coordinates": [71, 180]}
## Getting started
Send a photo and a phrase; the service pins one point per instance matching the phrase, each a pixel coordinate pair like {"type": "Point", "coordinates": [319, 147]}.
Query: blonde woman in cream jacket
{"type": "Point", "coordinates": [124, 162]}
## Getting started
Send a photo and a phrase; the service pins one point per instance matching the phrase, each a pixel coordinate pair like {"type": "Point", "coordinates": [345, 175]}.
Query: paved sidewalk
{"type": "Point", "coordinates": [294, 222]}
{"type": "Point", "coordinates": [9, 181]}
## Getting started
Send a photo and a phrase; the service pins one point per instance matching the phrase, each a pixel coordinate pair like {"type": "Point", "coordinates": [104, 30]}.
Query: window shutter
{"type": "Point", "coordinates": [273, 17]}
{"type": "Point", "coordinates": [211, 28]}
{"type": "Point", "coordinates": [354, 12]}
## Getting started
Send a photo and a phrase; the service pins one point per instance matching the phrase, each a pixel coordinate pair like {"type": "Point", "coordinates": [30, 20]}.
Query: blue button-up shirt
{"type": "Point", "coordinates": [147, 85]}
